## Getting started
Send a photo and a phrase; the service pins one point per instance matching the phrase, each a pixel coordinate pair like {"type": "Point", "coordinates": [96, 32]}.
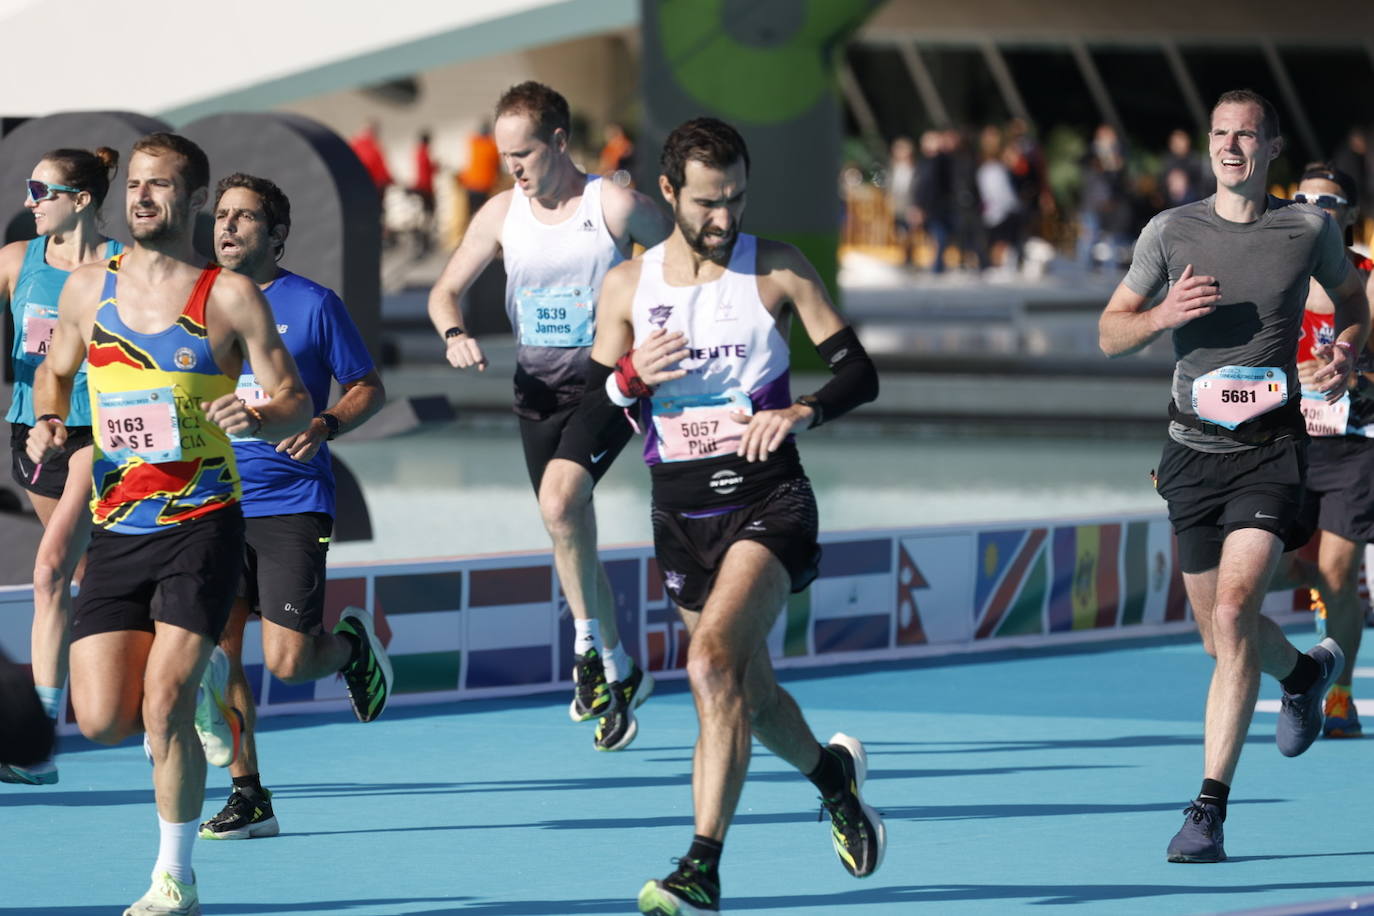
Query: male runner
{"type": "Point", "coordinates": [1236, 266]}
{"type": "Point", "coordinates": [735, 523]}
{"type": "Point", "coordinates": [165, 340]}
{"type": "Point", "coordinates": [1340, 459]}
{"type": "Point", "coordinates": [558, 232]}
{"type": "Point", "coordinates": [288, 495]}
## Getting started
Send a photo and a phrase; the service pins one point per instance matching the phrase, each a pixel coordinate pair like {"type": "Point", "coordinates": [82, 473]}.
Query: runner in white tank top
{"type": "Point", "coordinates": [735, 525]}
{"type": "Point", "coordinates": [558, 232]}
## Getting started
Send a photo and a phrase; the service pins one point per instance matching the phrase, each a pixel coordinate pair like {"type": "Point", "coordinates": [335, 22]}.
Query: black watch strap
{"type": "Point", "coordinates": [453, 332]}
{"type": "Point", "coordinates": [332, 423]}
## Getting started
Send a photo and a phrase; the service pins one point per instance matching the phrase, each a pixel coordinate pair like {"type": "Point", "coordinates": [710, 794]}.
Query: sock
{"type": "Point", "coordinates": [706, 851]}
{"type": "Point", "coordinates": [587, 636]}
{"type": "Point", "coordinates": [50, 697]}
{"type": "Point", "coordinates": [174, 851]}
{"type": "Point", "coordinates": [1303, 675]}
{"type": "Point", "coordinates": [618, 663]}
{"type": "Point", "coordinates": [1215, 793]}
{"type": "Point", "coordinates": [828, 776]}
{"type": "Point", "coordinates": [249, 782]}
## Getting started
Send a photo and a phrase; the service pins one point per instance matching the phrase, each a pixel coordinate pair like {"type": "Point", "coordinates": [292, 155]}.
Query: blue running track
{"type": "Point", "coordinates": [1023, 782]}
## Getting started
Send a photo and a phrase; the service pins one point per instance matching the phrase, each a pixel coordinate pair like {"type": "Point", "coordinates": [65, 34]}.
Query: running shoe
{"type": "Point", "coordinates": [368, 676]}
{"type": "Point", "coordinates": [1342, 720]}
{"type": "Point", "coordinates": [1201, 836]}
{"type": "Point", "coordinates": [1300, 714]}
{"type": "Point", "coordinates": [40, 774]}
{"type": "Point", "coordinates": [618, 727]}
{"type": "Point", "coordinates": [167, 897]}
{"type": "Point", "coordinates": [245, 816]}
{"type": "Point", "coordinates": [219, 725]}
{"type": "Point", "coordinates": [691, 890]}
{"type": "Point", "coordinates": [857, 831]}
{"type": "Point", "coordinates": [591, 693]}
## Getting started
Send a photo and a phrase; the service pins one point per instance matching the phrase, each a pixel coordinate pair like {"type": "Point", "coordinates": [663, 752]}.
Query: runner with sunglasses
{"type": "Point", "coordinates": [64, 196]}
{"type": "Point", "coordinates": [1340, 459]}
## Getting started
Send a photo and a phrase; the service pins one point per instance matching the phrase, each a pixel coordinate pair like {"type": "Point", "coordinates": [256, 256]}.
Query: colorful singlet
{"type": "Point", "coordinates": [1349, 416]}
{"type": "Point", "coordinates": [34, 308]}
{"type": "Point", "coordinates": [158, 461]}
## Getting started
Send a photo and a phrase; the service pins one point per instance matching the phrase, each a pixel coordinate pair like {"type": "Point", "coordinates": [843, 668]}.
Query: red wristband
{"type": "Point", "coordinates": [628, 380]}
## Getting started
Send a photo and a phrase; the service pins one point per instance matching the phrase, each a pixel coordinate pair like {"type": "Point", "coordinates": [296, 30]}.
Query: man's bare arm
{"type": "Point", "coordinates": [287, 410]}
{"type": "Point", "coordinates": [480, 245]}
{"type": "Point", "coordinates": [1127, 325]}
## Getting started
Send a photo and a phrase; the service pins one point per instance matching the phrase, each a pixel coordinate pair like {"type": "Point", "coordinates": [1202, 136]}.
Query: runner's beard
{"type": "Point", "coordinates": [696, 240]}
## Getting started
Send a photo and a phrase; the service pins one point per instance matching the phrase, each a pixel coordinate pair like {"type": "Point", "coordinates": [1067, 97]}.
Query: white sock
{"type": "Point", "coordinates": [174, 850]}
{"type": "Point", "coordinates": [588, 636]}
{"type": "Point", "coordinates": [618, 664]}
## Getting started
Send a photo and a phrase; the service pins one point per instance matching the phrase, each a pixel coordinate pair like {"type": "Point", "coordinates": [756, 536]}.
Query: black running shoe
{"type": "Point", "coordinates": [857, 831]}
{"type": "Point", "coordinates": [368, 676]}
{"type": "Point", "coordinates": [1201, 837]}
{"type": "Point", "coordinates": [618, 727]}
{"type": "Point", "coordinates": [1300, 714]}
{"type": "Point", "coordinates": [246, 815]}
{"type": "Point", "coordinates": [690, 891]}
{"type": "Point", "coordinates": [591, 693]}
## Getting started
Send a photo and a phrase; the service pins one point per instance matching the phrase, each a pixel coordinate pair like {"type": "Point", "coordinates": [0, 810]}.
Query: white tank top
{"type": "Point", "coordinates": [737, 359]}
{"type": "Point", "coordinates": [553, 277]}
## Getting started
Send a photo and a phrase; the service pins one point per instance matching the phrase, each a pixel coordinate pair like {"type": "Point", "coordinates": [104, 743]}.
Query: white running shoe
{"type": "Point", "coordinates": [219, 725]}
{"type": "Point", "coordinates": [167, 897]}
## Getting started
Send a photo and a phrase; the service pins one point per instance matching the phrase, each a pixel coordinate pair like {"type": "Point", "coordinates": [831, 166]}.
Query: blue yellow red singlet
{"type": "Point", "coordinates": [158, 461]}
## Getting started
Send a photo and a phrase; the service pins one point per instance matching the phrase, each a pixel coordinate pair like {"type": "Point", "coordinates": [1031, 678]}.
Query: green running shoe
{"type": "Point", "coordinates": [368, 676]}
{"type": "Point", "coordinates": [591, 694]}
{"type": "Point", "coordinates": [689, 891]}
{"type": "Point", "coordinates": [618, 727]}
{"type": "Point", "coordinates": [857, 831]}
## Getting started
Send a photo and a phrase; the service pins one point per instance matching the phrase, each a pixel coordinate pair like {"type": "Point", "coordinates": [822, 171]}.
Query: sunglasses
{"type": "Point", "coordinates": [1325, 201]}
{"type": "Point", "coordinates": [40, 190]}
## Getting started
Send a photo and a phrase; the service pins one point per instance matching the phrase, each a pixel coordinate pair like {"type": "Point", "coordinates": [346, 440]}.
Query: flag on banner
{"type": "Point", "coordinates": [1012, 581]}
{"type": "Point", "coordinates": [510, 627]}
{"type": "Point", "coordinates": [852, 600]}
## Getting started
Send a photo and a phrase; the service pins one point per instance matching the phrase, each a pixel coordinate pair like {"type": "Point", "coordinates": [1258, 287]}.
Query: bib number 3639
{"type": "Point", "coordinates": [1231, 395]}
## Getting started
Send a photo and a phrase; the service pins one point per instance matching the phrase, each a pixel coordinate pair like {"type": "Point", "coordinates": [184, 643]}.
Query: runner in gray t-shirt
{"type": "Point", "coordinates": [1236, 267]}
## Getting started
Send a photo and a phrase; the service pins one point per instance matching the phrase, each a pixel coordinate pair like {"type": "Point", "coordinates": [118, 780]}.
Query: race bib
{"type": "Point", "coordinates": [250, 393]}
{"type": "Point", "coordinates": [556, 316]}
{"type": "Point", "coordinates": [140, 424]}
{"type": "Point", "coordinates": [1325, 419]}
{"type": "Point", "coordinates": [1233, 394]}
{"type": "Point", "coordinates": [40, 321]}
{"type": "Point", "coordinates": [699, 426]}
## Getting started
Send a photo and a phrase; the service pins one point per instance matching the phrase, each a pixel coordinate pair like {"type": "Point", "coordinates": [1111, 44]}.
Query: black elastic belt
{"type": "Point", "coordinates": [1264, 429]}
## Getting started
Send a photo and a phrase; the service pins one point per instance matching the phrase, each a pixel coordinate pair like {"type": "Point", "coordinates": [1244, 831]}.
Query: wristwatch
{"type": "Point", "coordinates": [453, 332]}
{"type": "Point", "coordinates": [810, 400]}
{"type": "Point", "coordinates": [331, 422]}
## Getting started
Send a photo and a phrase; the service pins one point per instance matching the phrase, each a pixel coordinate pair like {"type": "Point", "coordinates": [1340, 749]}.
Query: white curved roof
{"type": "Point", "coordinates": [180, 60]}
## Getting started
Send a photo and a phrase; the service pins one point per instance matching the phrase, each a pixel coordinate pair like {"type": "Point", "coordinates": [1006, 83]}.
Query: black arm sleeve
{"type": "Point", "coordinates": [855, 379]}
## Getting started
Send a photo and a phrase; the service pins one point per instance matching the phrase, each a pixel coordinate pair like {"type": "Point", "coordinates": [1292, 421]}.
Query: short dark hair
{"type": "Point", "coordinates": [86, 170]}
{"type": "Point", "coordinates": [1328, 172]}
{"type": "Point", "coordinates": [197, 171]}
{"type": "Point", "coordinates": [709, 141]}
{"type": "Point", "coordinates": [275, 204]}
{"type": "Point", "coordinates": [1269, 115]}
{"type": "Point", "coordinates": [544, 106]}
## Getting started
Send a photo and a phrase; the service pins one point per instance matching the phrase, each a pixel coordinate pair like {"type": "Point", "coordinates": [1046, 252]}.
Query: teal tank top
{"type": "Point", "coordinates": [34, 306]}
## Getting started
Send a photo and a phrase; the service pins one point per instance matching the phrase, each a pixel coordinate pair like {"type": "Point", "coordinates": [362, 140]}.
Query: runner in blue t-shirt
{"type": "Point", "coordinates": [288, 495]}
{"type": "Point", "coordinates": [64, 196]}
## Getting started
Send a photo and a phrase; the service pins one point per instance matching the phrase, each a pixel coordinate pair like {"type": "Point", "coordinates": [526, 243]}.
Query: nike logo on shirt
{"type": "Point", "coordinates": [598, 456]}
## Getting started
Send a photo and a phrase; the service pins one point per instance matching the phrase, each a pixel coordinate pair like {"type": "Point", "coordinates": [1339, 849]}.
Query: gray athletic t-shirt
{"type": "Point", "coordinates": [1262, 268]}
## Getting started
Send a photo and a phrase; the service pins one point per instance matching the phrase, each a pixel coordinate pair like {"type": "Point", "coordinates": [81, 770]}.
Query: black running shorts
{"type": "Point", "coordinates": [1212, 494]}
{"type": "Point", "coordinates": [555, 437]}
{"type": "Point", "coordinates": [690, 550]}
{"type": "Point", "coordinates": [284, 568]}
{"type": "Point", "coordinates": [185, 576]}
{"type": "Point", "coordinates": [52, 477]}
{"type": "Point", "coordinates": [1340, 486]}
